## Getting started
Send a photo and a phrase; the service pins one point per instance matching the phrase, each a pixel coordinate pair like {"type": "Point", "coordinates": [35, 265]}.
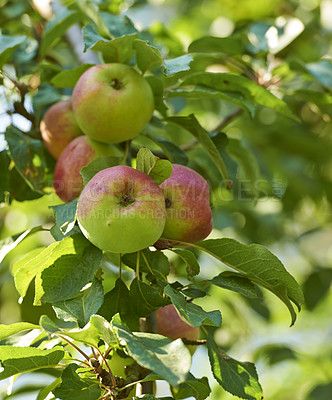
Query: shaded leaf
{"type": "Point", "coordinates": [73, 387]}
{"type": "Point", "coordinates": [65, 216]}
{"type": "Point", "coordinates": [191, 124]}
{"type": "Point", "coordinates": [235, 282]}
{"type": "Point", "coordinates": [98, 164]}
{"type": "Point", "coordinates": [154, 262]}
{"type": "Point", "coordinates": [147, 56]}
{"type": "Point", "coordinates": [80, 308]}
{"type": "Point", "coordinates": [189, 258]}
{"type": "Point", "coordinates": [57, 27]}
{"type": "Point", "coordinates": [145, 299]}
{"type": "Point", "coordinates": [116, 301]}
{"type": "Point", "coordinates": [169, 359]}
{"type": "Point", "coordinates": [28, 156]}
{"type": "Point", "coordinates": [114, 50]}
{"type": "Point", "coordinates": [171, 150]}
{"type": "Point", "coordinates": [158, 169]}
{"type": "Point", "coordinates": [237, 378]}
{"type": "Point", "coordinates": [8, 45]}
{"type": "Point", "coordinates": [198, 388]}
{"type": "Point", "coordinates": [193, 314]}
{"type": "Point", "coordinates": [259, 265]}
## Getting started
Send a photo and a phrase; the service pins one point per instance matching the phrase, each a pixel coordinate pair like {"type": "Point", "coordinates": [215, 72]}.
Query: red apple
{"type": "Point", "coordinates": [59, 127]}
{"type": "Point", "coordinates": [112, 102]}
{"type": "Point", "coordinates": [171, 325]}
{"type": "Point", "coordinates": [121, 210]}
{"type": "Point", "coordinates": [67, 180]}
{"type": "Point", "coordinates": [188, 211]}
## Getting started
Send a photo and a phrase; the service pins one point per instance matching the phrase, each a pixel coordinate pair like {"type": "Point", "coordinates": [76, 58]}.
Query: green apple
{"type": "Point", "coordinates": [188, 211]}
{"type": "Point", "coordinates": [121, 210]}
{"type": "Point", "coordinates": [112, 102]}
{"type": "Point", "coordinates": [67, 180]}
{"type": "Point", "coordinates": [59, 127]}
{"type": "Point", "coordinates": [171, 325]}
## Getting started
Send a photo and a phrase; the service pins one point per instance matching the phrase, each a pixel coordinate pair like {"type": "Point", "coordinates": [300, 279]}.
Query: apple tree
{"type": "Point", "coordinates": [135, 195]}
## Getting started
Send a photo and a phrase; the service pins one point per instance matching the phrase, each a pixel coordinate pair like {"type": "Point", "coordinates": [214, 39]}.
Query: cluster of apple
{"type": "Point", "coordinates": [120, 209]}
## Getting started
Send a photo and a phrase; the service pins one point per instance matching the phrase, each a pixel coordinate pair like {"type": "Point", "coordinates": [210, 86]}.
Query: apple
{"type": "Point", "coordinates": [67, 180]}
{"type": "Point", "coordinates": [112, 102]}
{"type": "Point", "coordinates": [188, 211]}
{"type": "Point", "coordinates": [121, 210]}
{"type": "Point", "coordinates": [59, 127]}
{"type": "Point", "coordinates": [171, 325]}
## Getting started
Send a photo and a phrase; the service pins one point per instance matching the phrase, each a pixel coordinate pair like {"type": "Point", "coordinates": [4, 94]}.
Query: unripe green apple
{"type": "Point", "coordinates": [171, 325]}
{"type": "Point", "coordinates": [67, 180]}
{"type": "Point", "coordinates": [188, 211]}
{"type": "Point", "coordinates": [112, 102]}
{"type": "Point", "coordinates": [59, 127]}
{"type": "Point", "coordinates": [121, 210]}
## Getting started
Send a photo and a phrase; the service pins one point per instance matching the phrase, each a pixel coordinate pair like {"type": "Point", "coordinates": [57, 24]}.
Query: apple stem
{"type": "Point", "coordinates": [116, 84]}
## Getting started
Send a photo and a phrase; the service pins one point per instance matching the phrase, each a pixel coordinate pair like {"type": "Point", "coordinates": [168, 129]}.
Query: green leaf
{"type": "Point", "coordinates": [202, 92]}
{"type": "Point", "coordinates": [232, 83]}
{"type": "Point", "coordinates": [65, 216]}
{"type": "Point", "coordinates": [191, 124]}
{"type": "Point", "coordinates": [98, 164]}
{"type": "Point", "coordinates": [211, 44]}
{"type": "Point", "coordinates": [49, 325]}
{"type": "Point", "coordinates": [259, 265]}
{"type": "Point", "coordinates": [16, 360]}
{"type": "Point", "coordinates": [98, 328]}
{"type": "Point", "coordinates": [118, 25]}
{"type": "Point", "coordinates": [9, 244]}
{"type": "Point", "coordinates": [157, 86]}
{"type": "Point", "coordinates": [235, 282]}
{"type": "Point", "coordinates": [198, 388]}
{"type": "Point", "coordinates": [158, 169]}
{"type": "Point", "coordinates": [28, 156]}
{"type": "Point", "coordinates": [115, 50]}
{"type": "Point", "coordinates": [117, 301]}
{"type": "Point", "coordinates": [193, 314]}
{"type": "Point", "coordinates": [145, 299]}
{"type": "Point", "coordinates": [57, 27]}
{"type": "Point", "coordinates": [80, 308]}
{"type": "Point", "coordinates": [75, 388]}
{"type": "Point", "coordinates": [69, 247]}
{"type": "Point", "coordinates": [171, 150]}
{"type": "Point", "coordinates": [237, 378]}
{"type": "Point", "coordinates": [154, 262]}
{"type": "Point", "coordinates": [169, 359]}
{"type": "Point", "coordinates": [69, 77]}
{"type": "Point", "coordinates": [69, 273]}
{"type": "Point", "coordinates": [8, 45]}
{"type": "Point", "coordinates": [192, 264]}
{"type": "Point", "coordinates": [9, 330]}
{"type": "Point", "coordinates": [147, 57]}
{"type": "Point", "coordinates": [178, 64]}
